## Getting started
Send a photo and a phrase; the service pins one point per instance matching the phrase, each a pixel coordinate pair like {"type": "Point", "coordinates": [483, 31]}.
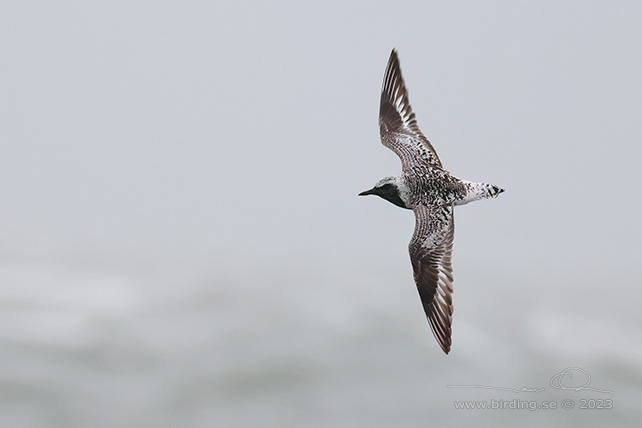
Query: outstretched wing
{"type": "Point", "coordinates": [397, 124]}
{"type": "Point", "coordinates": [431, 254]}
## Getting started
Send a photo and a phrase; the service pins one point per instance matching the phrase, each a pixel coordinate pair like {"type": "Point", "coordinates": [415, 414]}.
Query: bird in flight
{"type": "Point", "coordinates": [425, 187]}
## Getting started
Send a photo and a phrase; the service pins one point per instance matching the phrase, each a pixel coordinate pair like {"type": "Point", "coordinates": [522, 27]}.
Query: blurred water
{"type": "Point", "coordinates": [83, 348]}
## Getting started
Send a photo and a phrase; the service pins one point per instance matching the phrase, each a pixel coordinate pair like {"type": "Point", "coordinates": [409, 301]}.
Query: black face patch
{"type": "Point", "coordinates": [390, 193]}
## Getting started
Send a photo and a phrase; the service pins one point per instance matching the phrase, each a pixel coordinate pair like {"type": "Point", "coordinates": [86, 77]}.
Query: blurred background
{"type": "Point", "coordinates": [181, 241]}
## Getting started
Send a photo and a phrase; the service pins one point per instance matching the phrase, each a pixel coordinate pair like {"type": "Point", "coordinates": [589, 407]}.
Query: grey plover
{"type": "Point", "coordinates": [425, 187]}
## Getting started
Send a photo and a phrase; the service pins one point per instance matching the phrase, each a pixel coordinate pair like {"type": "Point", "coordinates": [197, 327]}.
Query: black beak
{"type": "Point", "coordinates": [367, 192]}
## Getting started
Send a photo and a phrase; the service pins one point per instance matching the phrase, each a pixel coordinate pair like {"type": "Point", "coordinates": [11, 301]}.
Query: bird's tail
{"type": "Point", "coordinates": [476, 191]}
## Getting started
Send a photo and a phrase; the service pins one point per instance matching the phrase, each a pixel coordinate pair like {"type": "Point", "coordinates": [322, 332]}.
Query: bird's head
{"type": "Point", "coordinates": [392, 189]}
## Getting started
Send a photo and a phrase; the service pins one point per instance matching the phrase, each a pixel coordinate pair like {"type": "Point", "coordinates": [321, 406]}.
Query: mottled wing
{"type": "Point", "coordinates": [397, 123]}
{"type": "Point", "coordinates": [431, 254]}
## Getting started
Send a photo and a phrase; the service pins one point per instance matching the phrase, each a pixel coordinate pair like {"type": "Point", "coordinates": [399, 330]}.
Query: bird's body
{"type": "Point", "coordinates": [431, 192]}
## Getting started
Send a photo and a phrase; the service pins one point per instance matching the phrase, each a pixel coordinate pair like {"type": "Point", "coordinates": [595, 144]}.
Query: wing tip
{"type": "Point", "coordinates": [393, 63]}
{"type": "Point", "coordinates": [393, 68]}
{"type": "Point", "coordinates": [395, 111]}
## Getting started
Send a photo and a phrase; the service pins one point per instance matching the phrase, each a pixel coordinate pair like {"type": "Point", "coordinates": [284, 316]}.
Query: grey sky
{"type": "Point", "coordinates": [163, 157]}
